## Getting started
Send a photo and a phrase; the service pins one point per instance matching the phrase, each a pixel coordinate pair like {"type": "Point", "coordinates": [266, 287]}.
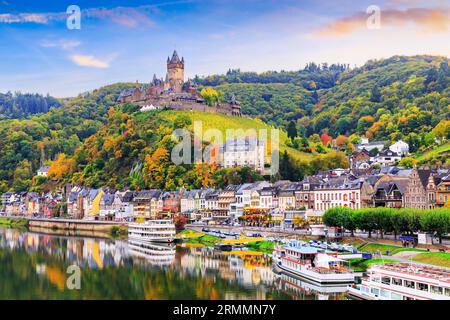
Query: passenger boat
{"type": "Point", "coordinates": [312, 263]}
{"type": "Point", "coordinates": [152, 231]}
{"type": "Point", "coordinates": [403, 281]}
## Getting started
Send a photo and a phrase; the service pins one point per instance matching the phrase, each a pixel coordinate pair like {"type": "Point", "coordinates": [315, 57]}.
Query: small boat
{"type": "Point", "coordinates": [152, 231]}
{"type": "Point", "coordinates": [403, 281]}
{"type": "Point", "coordinates": [312, 263]}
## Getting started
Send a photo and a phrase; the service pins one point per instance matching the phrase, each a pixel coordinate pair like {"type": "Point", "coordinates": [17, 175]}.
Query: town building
{"type": "Point", "coordinates": [387, 158]}
{"type": "Point", "coordinates": [390, 190]}
{"type": "Point", "coordinates": [244, 152]}
{"type": "Point", "coordinates": [421, 189]}
{"type": "Point", "coordinates": [443, 192]}
{"type": "Point", "coordinates": [351, 194]}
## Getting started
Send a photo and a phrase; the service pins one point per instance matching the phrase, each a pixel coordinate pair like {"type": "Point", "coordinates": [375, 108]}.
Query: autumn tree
{"type": "Point", "coordinates": [154, 170]}
{"type": "Point", "coordinates": [62, 168]}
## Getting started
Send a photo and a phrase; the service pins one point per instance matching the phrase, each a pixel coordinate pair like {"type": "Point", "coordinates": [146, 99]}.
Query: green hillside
{"type": "Point", "coordinates": [390, 99]}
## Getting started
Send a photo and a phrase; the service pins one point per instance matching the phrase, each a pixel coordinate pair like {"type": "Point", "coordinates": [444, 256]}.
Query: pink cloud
{"type": "Point", "coordinates": [427, 19]}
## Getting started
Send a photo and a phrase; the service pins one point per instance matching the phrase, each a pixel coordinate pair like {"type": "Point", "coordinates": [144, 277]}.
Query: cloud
{"type": "Point", "coordinates": [427, 19]}
{"type": "Point", "coordinates": [128, 17]}
{"type": "Point", "coordinates": [25, 18]}
{"type": "Point", "coordinates": [89, 61]}
{"type": "Point", "coordinates": [62, 44]}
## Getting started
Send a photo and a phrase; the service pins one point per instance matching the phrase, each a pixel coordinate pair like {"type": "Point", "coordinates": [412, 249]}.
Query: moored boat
{"type": "Point", "coordinates": [403, 281]}
{"type": "Point", "coordinates": [152, 231]}
{"type": "Point", "coordinates": [312, 263]}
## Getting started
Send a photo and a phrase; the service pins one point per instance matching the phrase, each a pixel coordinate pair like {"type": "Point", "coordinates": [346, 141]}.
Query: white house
{"type": "Point", "coordinates": [400, 147]}
{"type": "Point", "coordinates": [240, 152]}
{"type": "Point", "coordinates": [123, 205]}
{"type": "Point", "coordinates": [387, 158]}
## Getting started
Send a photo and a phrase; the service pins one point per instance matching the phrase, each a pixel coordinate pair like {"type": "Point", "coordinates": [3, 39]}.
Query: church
{"type": "Point", "coordinates": [174, 93]}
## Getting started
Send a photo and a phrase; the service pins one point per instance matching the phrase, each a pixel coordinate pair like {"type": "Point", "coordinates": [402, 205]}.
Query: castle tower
{"type": "Point", "coordinates": [175, 72]}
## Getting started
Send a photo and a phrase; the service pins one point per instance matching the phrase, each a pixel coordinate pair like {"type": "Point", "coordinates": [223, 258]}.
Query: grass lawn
{"type": "Point", "coordinates": [436, 258]}
{"type": "Point", "coordinates": [265, 246]}
{"type": "Point", "coordinates": [363, 264]}
{"type": "Point", "coordinates": [195, 237]}
{"type": "Point", "coordinates": [13, 222]}
{"type": "Point", "coordinates": [434, 152]}
{"type": "Point", "coordinates": [382, 248]}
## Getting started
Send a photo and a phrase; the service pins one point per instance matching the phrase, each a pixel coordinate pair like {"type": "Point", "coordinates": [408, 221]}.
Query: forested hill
{"type": "Point", "coordinates": [400, 97]}
{"type": "Point", "coordinates": [25, 144]}
{"type": "Point", "coordinates": [20, 105]}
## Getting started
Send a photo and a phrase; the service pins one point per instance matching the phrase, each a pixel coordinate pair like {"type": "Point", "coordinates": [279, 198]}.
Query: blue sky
{"type": "Point", "coordinates": [130, 40]}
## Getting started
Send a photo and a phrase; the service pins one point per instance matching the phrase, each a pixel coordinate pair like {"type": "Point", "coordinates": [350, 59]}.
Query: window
{"type": "Point", "coordinates": [422, 286]}
{"type": "Point", "coordinates": [395, 296]}
{"type": "Point", "coordinates": [386, 280]}
{"type": "Point", "coordinates": [436, 290]}
{"type": "Point", "coordinates": [396, 281]}
{"type": "Point", "coordinates": [410, 284]}
{"type": "Point", "coordinates": [447, 292]}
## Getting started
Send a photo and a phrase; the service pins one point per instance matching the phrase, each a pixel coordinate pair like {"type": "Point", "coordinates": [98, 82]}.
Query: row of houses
{"type": "Point", "coordinates": [363, 157]}
{"type": "Point", "coordinates": [388, 187]}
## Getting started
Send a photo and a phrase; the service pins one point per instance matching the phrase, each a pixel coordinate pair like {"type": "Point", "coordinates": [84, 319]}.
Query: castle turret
{"type": "Point", "coordinates": [175, 72]}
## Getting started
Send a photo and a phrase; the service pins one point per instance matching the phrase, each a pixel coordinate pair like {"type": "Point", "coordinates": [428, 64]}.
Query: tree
{"type": "Point", "coordinates": [436, 221]}
{"type": "Point", "coordinates": [22, 176]}
{"type": "Point", "coordinates": [407, 162]}
{"type": "Point", "coordinates": [292, 130]}
{"type": "Point", "coordinates": [341, 141]}
{"type": "Point", "coordinates": [211, 95]}
{"type": "Point", "coordinates": [375, 95]}
{"type": "Point", "coordinates": [326, 139]}
{"type": "Point", "coordinates": [399, 222]}
{"type": "Point", "coordinates": [62, 168]}
{"type": "Point", "coordinates": [180, 221]}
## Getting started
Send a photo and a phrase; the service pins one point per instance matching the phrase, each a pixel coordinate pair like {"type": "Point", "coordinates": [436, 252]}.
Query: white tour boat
{"type": "Point", "coordinates": [403, 281]}
{"type": "Point", "coordinates": [312, 263]}
{"type": "Point", "coordinates": [152, 231]}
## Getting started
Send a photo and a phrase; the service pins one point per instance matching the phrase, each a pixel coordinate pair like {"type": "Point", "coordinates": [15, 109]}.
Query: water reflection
{"type": "Point", "coordinates": [34, 266]}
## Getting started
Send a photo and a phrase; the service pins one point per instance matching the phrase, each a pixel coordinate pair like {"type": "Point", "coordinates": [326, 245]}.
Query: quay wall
{"type": "Point", "coordinates": [74, 225]}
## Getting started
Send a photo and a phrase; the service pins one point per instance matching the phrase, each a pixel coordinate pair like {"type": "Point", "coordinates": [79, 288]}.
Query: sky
{"type": "Point", "coordinates": [129, 40]}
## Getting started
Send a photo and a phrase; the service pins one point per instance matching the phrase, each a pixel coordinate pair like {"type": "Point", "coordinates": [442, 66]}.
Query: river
{"type": "Point", "coordinates": [40, 266]}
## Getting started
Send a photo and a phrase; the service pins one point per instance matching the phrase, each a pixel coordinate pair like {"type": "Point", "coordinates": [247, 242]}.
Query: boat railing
{"type": "Point", "coordinates": [323, 270]}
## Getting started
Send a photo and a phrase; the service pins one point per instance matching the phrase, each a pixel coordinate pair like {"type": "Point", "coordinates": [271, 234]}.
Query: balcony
{"type": "Point", "coordinates": [388, 198]}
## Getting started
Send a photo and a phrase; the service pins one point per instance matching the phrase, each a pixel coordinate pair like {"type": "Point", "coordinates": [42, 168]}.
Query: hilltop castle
{"type": "Point", "coordinates": [174, 93]}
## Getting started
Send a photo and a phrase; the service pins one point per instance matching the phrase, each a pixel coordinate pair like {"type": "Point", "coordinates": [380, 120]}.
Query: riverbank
{"type": "Point", "coordinates": [14, 223]}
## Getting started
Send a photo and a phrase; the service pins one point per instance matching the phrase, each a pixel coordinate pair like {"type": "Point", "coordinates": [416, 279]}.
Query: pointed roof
{"type": "Point", "coordinates": [175, 58]}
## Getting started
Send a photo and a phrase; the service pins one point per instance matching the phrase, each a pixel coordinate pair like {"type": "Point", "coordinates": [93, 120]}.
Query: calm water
{"type": "Point", "coordinates": [34, 266]}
